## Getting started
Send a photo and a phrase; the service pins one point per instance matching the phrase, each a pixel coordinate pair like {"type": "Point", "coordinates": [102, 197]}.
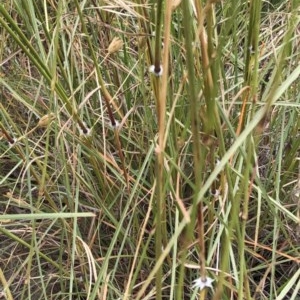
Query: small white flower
{"type": "Point", "coordinates": [13, 142]}
{"type": "Point", "coordinates": [152, 70]}
{"type": "Point", "coordinates": [116, 125]}
{"type": "Point", "coordinates": [201, 284]}
{"type": "Point", "coordinates": [86, 132]}
{"type": "Point", "coordinates": [215, 193]}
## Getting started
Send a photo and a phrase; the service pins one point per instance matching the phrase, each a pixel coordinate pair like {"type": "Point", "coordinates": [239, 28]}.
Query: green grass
{"type": "Point", "coordinates": [116, 183]}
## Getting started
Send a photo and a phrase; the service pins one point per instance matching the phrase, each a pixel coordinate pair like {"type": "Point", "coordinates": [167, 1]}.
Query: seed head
{"type": "Point", "coordinates": [46, 120]}
{"type": "Point", "coordinates": [115, 45]}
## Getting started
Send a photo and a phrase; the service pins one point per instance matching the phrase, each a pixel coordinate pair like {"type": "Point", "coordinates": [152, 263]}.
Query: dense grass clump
{"type": "Point", "coordinates": [149, 150]}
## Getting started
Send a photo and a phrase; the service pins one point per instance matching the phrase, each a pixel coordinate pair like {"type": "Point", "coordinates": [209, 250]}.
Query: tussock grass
{"type": "Point", "coordinates": [119, 180]}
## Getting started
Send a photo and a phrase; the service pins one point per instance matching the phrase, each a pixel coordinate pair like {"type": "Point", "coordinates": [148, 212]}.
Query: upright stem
{"type": "Point", "coordinates": [160, 105]}
{"type": "Point", "coordinates": [195, 125]}
{"type": "Point", "coordinates": [158, 44]}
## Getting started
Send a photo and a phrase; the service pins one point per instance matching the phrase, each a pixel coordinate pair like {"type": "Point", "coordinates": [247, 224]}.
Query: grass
{"type": "Point", "coordinates": [119, 180]}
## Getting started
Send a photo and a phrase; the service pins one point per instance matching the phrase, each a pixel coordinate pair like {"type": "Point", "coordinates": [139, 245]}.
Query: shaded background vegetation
{"type": "Point", "coordinates": [67, 82]}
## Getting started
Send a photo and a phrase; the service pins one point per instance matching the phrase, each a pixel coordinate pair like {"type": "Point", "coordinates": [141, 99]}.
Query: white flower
{"type": "Point", "coordinates": [215, 193]}
{"type": "Point", "coordinates": [84, 131]}
{"type": "Point", "coordinates": [13, 142]}
{"type": "Point", "coordinates": [116, 125]}
{"type": "Point", "coordinates": [201, 284]}
{"type": "Point", "coordinates": [152, 70]}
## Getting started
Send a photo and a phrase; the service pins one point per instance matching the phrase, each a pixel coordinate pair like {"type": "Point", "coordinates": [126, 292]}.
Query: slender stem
{"type": "Point", "coordinates": [160, 95]}
{"type": "Point", "coordinates": [106, 95]}
{"type": "Point", "coordinates": [194, 110]}
{"type": "Point", "coordinates": [158, 29]}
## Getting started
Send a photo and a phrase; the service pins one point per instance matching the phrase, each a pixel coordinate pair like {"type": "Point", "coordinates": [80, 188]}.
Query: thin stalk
{"type": "Point", "coordinates": [251, 65]}
{"type": "Point", "coordinates": [106, 95]}
{"type": "Point", "coordinates": [158, 29]}
{"type": "Point", "coordinates": [209, 114]}
{"type": "Point", "coordinates": [160, 176]}
{"type": "Point", "coordinates": [198, 166]}
{"type": "Point", "coordinates": [6, 291]}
